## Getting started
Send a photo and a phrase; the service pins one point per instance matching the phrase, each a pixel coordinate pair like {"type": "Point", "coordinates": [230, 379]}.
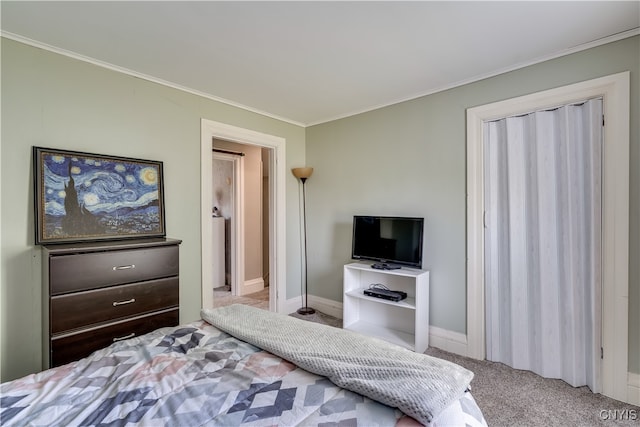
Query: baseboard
{"type": "Point", "coordinates": [453, 342]}
{"type": "Point", "coordinates": [290, 305]}
{"type": "Point", "coordinates": [251, 286]}
{"type": "Point", "coordinates": [633, 389]}
{"type": "Point", "coordinates": [327, 306]}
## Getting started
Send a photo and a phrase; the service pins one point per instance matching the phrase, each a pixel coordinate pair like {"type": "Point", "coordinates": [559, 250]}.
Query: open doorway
{"type": "Point", "coordinates": [272, 227]}
{"type": "Point", "coordinates": [226, 181]}
{"type": "Point", "coordinates": [240, 222]}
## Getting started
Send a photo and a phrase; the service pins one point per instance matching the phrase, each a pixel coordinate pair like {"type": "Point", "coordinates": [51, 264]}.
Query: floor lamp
{"type": "Point", "coordinates": [302, 174]}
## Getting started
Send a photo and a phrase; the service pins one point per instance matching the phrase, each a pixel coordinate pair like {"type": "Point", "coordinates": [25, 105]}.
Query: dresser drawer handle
{"type": "Point", "coordinates": [124, 267]}
{"type": "Point", "coordinates": [117, 303]}
{"type": "Point", "coordinates": [126, 337]}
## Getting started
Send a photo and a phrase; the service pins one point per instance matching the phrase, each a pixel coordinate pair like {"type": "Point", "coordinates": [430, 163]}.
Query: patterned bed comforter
{"type": "Point", "coordinates": [421, 386]}
{"type": "Point", "coordinates": [195, 375]}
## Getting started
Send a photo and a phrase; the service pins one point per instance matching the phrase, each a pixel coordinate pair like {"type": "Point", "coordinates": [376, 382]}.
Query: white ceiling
{"type": "Point", "coordinates": [311, 62]}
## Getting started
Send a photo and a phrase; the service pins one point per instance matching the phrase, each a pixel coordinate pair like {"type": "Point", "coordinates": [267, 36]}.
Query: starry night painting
{"type": "Point", "coordinates": [90, 197]}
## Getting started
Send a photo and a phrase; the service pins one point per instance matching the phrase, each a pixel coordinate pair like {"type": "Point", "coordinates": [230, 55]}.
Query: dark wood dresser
{"type": "Point", "coordinates": [98, 293]}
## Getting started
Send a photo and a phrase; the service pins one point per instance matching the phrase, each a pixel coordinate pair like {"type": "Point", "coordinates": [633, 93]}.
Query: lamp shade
{"type": "Point", "coordinates": [302, 173]}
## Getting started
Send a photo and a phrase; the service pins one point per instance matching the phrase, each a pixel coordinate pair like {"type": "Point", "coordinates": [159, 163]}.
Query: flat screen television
{"type": "Point", "coordinates": [390, 241]}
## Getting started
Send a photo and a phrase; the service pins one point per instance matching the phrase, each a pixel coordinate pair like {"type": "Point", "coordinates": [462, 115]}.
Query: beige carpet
{"type": "Point", "coordinates": [510, 397]}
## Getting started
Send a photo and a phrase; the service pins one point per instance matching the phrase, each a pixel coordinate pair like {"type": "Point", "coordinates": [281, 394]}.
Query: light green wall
{"type": "Point", "coordinates": [409, 159]}
{"type": "Point", "coordinates": [54, 101]}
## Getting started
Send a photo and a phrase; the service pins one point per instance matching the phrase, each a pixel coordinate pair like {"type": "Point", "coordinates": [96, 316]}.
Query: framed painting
{"type": "Point", "coordinates": [92, 197]}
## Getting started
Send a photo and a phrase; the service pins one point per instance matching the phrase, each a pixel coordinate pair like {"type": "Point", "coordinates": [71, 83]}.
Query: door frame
{"type": "Point", "coordinates": [615, 217]}
{"type": "Point", "coordinates": [277, 205]}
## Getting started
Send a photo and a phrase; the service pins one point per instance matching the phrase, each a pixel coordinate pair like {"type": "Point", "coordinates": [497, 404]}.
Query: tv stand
{"type": "Point", "coordinates": [385, 266]}
{"type": "Point", "coordinates": [404, 322]}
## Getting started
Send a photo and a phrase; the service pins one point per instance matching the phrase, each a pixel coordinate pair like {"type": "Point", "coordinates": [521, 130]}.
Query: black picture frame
{"type": "Point", "coordinates": [94, 197]}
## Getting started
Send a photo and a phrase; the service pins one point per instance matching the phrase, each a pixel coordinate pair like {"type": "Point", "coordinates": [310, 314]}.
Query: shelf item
{"type": "Point", "coordinates": [96, 294]}
{"type": "Point", "coordinates": [405, 322]}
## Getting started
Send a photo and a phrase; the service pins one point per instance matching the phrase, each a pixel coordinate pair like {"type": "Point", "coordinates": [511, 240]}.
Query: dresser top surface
{"type": "Point", "coordinates": [66, 248]}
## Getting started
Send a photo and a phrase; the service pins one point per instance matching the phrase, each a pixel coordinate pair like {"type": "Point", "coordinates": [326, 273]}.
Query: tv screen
{"type": "Point", "coordinates": [391, 241]}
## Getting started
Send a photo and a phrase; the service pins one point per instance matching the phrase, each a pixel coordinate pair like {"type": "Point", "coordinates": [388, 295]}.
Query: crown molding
{"type": "Point", "coordinates": [123, 70]}
{"type": "Point", "coordinates": [605, 40]}
{"type": "Point", "coordinates": [559, 54]}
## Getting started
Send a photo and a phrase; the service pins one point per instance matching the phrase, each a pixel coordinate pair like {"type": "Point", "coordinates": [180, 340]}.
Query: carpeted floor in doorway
{"type": "Point", "coordinates": [222, 297]}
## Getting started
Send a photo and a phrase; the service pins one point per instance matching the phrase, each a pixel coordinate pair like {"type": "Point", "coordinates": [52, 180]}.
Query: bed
{"type": "Point", "coordinates": [240, 365]}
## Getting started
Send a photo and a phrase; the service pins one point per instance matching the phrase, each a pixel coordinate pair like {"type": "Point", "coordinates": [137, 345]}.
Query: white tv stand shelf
{"type": "Point", "coordinates": [405, 322]}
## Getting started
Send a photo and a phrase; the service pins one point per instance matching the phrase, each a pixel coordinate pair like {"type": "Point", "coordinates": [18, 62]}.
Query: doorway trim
{"type": "Point", "coordinates": [615, 217]}
{"type": "Point", "coordinates": [277, 205]}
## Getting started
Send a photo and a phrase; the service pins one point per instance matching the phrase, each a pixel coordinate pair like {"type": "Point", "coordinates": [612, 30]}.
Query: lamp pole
{"type": "Point", "coordinates": [303, 174]}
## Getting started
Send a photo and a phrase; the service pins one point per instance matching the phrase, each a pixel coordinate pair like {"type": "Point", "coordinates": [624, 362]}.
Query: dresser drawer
{"type": "Point", "coordinates": [69, 347]}
{"type": "Point", "coordinates": [72, 311]}
{"type": "Point", "coordinates": [78, 272]}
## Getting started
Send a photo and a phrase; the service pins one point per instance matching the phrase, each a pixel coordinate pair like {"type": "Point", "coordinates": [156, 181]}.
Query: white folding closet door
{"type": "Point", "coordinates": [543, 241]}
